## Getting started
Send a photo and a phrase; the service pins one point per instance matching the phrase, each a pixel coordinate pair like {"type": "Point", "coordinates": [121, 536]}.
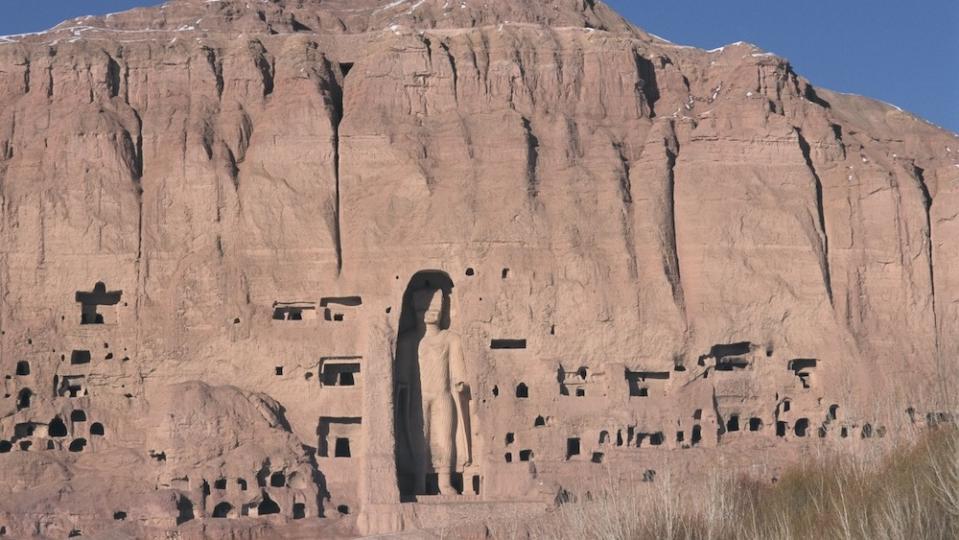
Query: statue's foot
{"type": "Point", "coordinates": [445, 486]}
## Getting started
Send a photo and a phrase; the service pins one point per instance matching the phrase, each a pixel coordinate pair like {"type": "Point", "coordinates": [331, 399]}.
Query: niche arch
{"type": "Point", "coordinates": [420, 470]}
{"type": "Point", "coordinates": [425, 278]}
{"type": "Point", "coordinates": [223, 510]}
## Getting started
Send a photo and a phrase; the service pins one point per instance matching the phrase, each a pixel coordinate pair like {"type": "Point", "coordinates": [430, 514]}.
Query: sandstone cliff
{"type": "Point", "coordinates": [211, 210]}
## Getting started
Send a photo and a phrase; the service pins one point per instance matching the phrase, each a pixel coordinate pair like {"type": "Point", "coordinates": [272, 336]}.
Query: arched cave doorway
{"type": "Point", "coordinates": [267, 506]}
{"type": "Point", "coordinates": [223, 510]}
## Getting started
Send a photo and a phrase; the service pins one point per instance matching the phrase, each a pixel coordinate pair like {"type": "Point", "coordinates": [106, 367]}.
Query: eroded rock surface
{"type": "Point", "coordinates": [214, 216]}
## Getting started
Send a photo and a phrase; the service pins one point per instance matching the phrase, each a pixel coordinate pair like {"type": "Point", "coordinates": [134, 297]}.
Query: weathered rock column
{"type": "Point", "coordinates": [379, 493]}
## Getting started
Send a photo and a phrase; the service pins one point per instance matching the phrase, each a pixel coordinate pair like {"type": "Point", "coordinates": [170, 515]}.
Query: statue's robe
{"type": "Point", "coordinates": [410, 413]}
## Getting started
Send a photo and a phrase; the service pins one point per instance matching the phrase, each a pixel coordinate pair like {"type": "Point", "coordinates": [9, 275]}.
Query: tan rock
{"type": "Point", "coordinates": [213, 216]}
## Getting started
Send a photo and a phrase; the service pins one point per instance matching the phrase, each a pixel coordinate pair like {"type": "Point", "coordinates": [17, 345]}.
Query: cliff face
{"type": "Point", "coordinates": [255, 185]}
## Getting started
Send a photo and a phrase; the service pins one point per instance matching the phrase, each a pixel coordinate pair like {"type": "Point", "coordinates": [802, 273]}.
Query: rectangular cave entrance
{"type": "Point", "coordinates": [334, 308]}
{"type": "Point", "coordinates": [72, 386]}
{"type": "Point", "coordinates": [340, 371]}
{"type": "Point", "coordinates": [732, 363]}
{"type": "Point", "coordinates": [339, 437]}
{"type": "Point", "coordinates": [803, 369]}
{"type": "Point", "coordinates": [640, 382]}
{"type": "Point", "coordinates": [507, 344]}
{"type": "Point", "coordinates": [79, 357]}
{"type": "Point", "coordinates": [294, 311]}
{"type": "Point", "coordinates": [342, 448]}
{"type": "Point", "coordinates": [572, 447]}
{"type": "Point", "coordinates": [573, 383]}
{"type": "Point", "coordinates": [729, 357]}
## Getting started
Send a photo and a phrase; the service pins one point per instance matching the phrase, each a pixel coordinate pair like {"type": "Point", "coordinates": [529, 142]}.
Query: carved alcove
{"type": "Point", "coordinates": [294, 311]}
{"type": "Point", "coordinates": [99, 305]}
{"type": "Point", "coordinates": [433, 406]}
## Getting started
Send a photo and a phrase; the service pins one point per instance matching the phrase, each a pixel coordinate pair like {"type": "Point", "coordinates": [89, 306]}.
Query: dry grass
{"type": "Point", "coordinates": [910, 493]}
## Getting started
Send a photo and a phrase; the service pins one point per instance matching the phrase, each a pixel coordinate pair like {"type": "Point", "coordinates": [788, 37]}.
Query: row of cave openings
{"type": "Point", "coordinates": [67, 385]}
{"type": "Point", "coordinates": [574, 451]}
{"type": "Point", "coordinates": [264, 505]}
{"type": "Point", "coordinates": [801, 427]}
{"type": "Point", "coordinates": [574, 446]}
{"type": "Point", "coordinates": [739, 356]}
{"type": "Point", "coordinates": [25, 433]}
{"type": "Point", "coordinates": [571, 383]}
{"type": "Point", "coordinates": [577, 383]}
{"type": "Point", "coordinates": [642, 439]}
{"type": "Point", "coordinates": [334, 309]}
{"type": "Point", "coordinates": [727, 358]}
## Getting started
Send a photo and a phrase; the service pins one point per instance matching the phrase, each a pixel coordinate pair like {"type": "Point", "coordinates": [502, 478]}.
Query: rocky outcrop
{"type": "Point", "coordinates": [686, 236]}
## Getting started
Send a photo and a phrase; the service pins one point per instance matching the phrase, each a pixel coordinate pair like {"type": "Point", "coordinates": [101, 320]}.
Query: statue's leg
{"type": "Point", "coordinates": [443, 441]}
{"type": "Point", "coordinates": [422, 457]}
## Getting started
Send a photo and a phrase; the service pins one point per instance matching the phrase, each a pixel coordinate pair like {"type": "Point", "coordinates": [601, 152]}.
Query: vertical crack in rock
{"type": "Point", "coordinates": [113, 77]}
{"type": "Point", "coordinates": [337, 81]}
{"type": "Point", "coordinates": [207, 137]}
{"type": "Point", "coordinates": [216, 66]}
{"type": "Point", "coordinates": [650, 88]}
{"type": "Point", "coordinates": [264, 65]}
{"type": "Point", "coordinates": [626, 195]}
{"type": "Point", "coordinates": [429, 52]}
{"type": "Point", "coordinates": [337, 236]}
{"type": "Point", "coordinates": [26, 76]}
{"type": "Point", "coordinates": [837, 133]}
{"type": "Point", "coordinates": [821, 215]}
{"type": "Point", "coordinates": [233, 168]}
{"type": "Point", "coordinates": [136, 170]}
{"type": "Point", "coordinates": [720, 425]}
{"type": "Point", "coordinates": [532, 158]}
{"type": "Point", "coordinates": [6, 152]}
{"type": "Point", "coordinates": [139, 195]}
{"type": "Point", "coordinates": [50, 79]}
{"type": "Point", "coordinates": [625, 183]}
{"type": "Point", "coordinates": [574, 146]}
{"type": "Point", "coordinates": [919, 174]}
{"type": "Point", "coordinates": [487, 59]}
{"type": "Point", "coordinates": [125, 82]}
{"type": "Point", "coordinates": [235, 157]}
{"type": "Point", "coordinates": [671, 249]}
{"type": "Point", "coordinates": [452, 60]}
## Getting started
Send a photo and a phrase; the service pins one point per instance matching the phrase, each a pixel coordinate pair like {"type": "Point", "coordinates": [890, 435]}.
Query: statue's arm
{"type": "Point", "coordinates": [457, 365]}
{"type": "Point", "coordinates": [461, 389]}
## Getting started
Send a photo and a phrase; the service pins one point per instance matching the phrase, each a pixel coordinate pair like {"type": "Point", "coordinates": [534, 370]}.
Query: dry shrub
{"type": "Point", "coordinates": [910, 493]}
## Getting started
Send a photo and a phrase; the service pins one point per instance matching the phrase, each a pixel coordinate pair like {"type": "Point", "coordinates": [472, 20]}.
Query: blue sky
{"type": "Point", "coordinates": [905, 53]}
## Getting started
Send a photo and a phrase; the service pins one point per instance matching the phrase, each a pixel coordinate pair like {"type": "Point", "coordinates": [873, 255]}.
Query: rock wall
{"type": "Point", "coordinates": [660, 257]}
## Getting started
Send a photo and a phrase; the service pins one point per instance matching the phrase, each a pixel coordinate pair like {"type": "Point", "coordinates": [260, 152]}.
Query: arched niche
{"type": "Point", "coordinates": [423, 468]}
{"type": "Point", "coordinates": [425, 278]}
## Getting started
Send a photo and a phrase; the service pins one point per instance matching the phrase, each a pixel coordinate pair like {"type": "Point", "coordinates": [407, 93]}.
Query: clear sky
{"type": "Point", "coordinates": [905, 53]}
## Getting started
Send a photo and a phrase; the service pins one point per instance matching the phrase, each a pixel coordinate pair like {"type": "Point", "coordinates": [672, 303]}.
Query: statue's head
{"type": "Point", "coordinates": [428, 305]}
